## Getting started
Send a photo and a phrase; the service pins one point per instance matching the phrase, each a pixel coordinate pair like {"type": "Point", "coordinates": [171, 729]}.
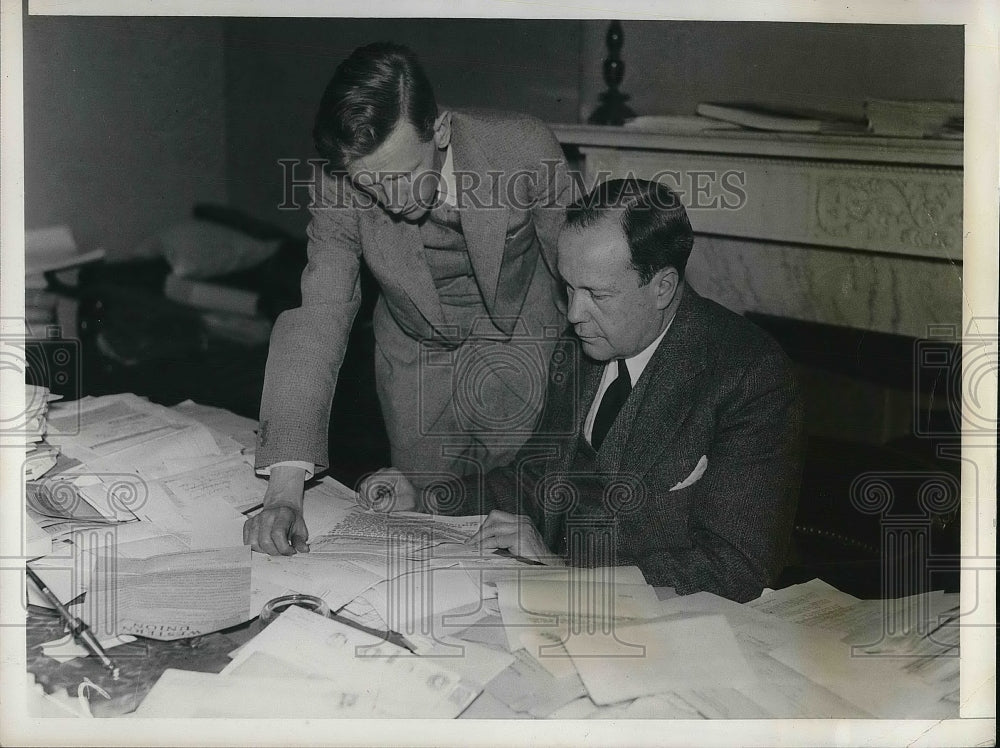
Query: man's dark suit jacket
{"type": "Point", "coordinates": [718, 388]}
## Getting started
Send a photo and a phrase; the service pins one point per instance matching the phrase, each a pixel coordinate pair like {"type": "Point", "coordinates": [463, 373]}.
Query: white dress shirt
{"type": "Point", "coordinates": [635, 365]}
{"type": "Point", "coordinates": [446, 185]}
{"type": "Point", "coordinates": [448, 194]}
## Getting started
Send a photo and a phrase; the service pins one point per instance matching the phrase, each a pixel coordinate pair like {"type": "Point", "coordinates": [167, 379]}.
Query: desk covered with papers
{"type": "Point", "coordinates": [141, 517]}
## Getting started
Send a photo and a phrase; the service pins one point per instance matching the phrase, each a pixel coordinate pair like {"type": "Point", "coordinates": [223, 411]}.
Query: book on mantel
{"type": "Point", "coordinates": [915, 119]}
{"type": "Point", "coordinates": [776, 119]}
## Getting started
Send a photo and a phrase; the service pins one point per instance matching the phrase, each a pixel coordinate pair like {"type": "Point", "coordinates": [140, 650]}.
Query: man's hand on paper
{"type": "Point", "coordinates": [517, 534]}
{"type": "Point", "coordinates": [388, 490]}
{"type": "Point", "coordinates": [280, 528]}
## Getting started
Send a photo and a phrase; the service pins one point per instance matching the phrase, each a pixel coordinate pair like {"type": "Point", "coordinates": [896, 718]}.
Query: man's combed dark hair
{"type": "Point", "coordinates": [653, 220]}
{"type": "Point", "coordinates": [369, 92]}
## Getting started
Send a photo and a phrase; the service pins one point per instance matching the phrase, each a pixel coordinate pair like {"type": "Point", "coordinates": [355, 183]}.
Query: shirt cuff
{"type": "Point", "coordinates": [309, 467]}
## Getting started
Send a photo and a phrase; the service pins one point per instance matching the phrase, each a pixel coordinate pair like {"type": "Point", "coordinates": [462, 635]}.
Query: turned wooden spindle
{"type": "Point", "coordinates": [613, 110]}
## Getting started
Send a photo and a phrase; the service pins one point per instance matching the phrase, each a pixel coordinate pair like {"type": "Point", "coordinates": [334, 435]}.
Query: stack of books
{"type": "Point", "coordinates": [915, 119]}
{"type": "Point", "coordinates": [775, 119]}
{"type": "Point", "coordinates": [229, 308]}
{"type": "Point", "coordinates": [49, 250]}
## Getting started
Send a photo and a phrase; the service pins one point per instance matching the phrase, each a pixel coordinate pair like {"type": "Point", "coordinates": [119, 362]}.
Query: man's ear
{"type": "Point", "coordinates": [442, 130]}
{"type": "Point", "coordinates": [665, 283]}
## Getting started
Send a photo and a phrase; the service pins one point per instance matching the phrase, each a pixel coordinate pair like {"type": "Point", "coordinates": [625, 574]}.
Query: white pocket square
{"type": "Point", "coordinates": [699, 470]}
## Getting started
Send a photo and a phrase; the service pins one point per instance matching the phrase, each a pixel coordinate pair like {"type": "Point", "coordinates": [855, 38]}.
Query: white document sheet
{"type": "Point", "coordinates": [752, 627]}
{"type": "Point", "coordinates": [33, 429]}
{"type": "Point", "coordinates": [37, 542]}
{"type": "Point", "coordinates": [662, 706]}
{"type": "Point", "coordinates": [145, 539]}
{"type": "Point", "coordinates": [488, 630]}
{"type": "Point", "coordinates": [183, 442]}
{"type": "Point", "coordinates": [878, 685]}
{"type": "Point", "coordinates": [782, 691]}
{"type": "Point", "coordinates": [928, 651]}
{"type": "Point", "coordinates": [165, 468]}
{"type": "Point", "coordinates": [475, 663]}
{"type": "Point", "coordinates": [67, 571]}
{"type": "Point", "coordinates": [199, 517]}
{"type": "Point", "coordinates": [527, 687]}
{"type": "Point", "coordinates": [362, 612]}
{"type": "Point", "coordinates": [112, 495]}
{"type": "Point", "coordinates": [40, 460]}
{"type": "Point", "coordinates": [95, 427]}
{"type": "Point", "coordinates": [230, 480]}
{"type": "Point", "coordinates": [57, 496]}
{"type": "Point", "coordinates": [335, 578]}
{"type": "Point", "coordinates": [642, 659]}
{"type": "Point", "coordinates": [422, 601]}
{"type": "Point", "coordinates": [515, 570]}
{"type": "Point", "coordinates": [888, 623]}
{"type": "Point", "coordinates": [326, 504]}
{"type": "Point", "coordinates": [183, 693]}
{"type": "Point", "coordinates": [488, 706]}
{"type": "Point", "coordinates": [398, 529]}
{"type": "Point", "coordinates": [243, 430]}
{"type": "Point", "coordinates": [548, 607]}
{"type": "Point", "coordinates": [399, 684]}
{"type": "Point", "coordinates": [814, 603]}
{"type": "Point", "coordinates": [548, 649]}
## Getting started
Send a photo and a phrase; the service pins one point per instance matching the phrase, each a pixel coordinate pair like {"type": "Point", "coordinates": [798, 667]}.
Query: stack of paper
{"type": "Point", "coordinates": [127, 433]}
{"type": "Point", "coordinates": [132, 480]}
{"type": "Point", "coordinates": [172, 596]}
{"type": "Point", "coordinates": [121, 458]}
{"type": "Point", "coordinates": [49, 249]}
{"type": "Point", "coordinates": [40, 456]}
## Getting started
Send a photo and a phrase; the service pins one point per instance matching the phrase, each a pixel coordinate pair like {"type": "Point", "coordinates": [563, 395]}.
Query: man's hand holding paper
{"type": "Point", "coordinates": [516, 534]}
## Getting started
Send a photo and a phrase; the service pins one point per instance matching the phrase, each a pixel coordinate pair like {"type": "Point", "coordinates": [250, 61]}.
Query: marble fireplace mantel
{"type": "Point", "coordinates": [858, 231]}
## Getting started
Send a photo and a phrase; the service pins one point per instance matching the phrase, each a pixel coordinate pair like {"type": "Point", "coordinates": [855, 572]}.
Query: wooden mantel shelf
{"type": "Point", "coordinates": [826, 147]}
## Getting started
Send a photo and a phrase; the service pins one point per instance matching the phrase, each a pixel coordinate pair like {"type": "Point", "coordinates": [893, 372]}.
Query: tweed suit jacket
{"type": "Point", "coordinates": [717, 390]}
{"type": "Point", "coordinates": [513, 211]}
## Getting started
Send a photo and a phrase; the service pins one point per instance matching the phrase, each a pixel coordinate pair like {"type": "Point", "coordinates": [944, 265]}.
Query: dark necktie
{"type": "Point", "coordinates": [614, 397]}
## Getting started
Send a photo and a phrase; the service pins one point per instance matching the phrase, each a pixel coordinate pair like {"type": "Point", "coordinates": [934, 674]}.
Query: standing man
{"type": "Point", "coordinates": [457, 215]}
{"type": "Point", "coordinates": [672, 443]}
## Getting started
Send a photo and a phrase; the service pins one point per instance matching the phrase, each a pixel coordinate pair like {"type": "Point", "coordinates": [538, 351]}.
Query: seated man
{"type": "Point", "coordinates": [672, 443]}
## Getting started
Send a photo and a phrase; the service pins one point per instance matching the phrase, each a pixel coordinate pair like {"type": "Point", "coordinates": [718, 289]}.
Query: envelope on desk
{"type": "Point", "coordinates": [651, 657]}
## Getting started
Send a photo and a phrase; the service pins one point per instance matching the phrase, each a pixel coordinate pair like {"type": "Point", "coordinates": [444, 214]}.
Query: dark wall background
{"type": "Point", "coordinates": [276, 70]}
{"type": "Point", "coordinates": [124, 124]}
{"type": "Point", "coordinates": [670, 66]}
{"type": "Point", "coordinates": [129, 121]}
